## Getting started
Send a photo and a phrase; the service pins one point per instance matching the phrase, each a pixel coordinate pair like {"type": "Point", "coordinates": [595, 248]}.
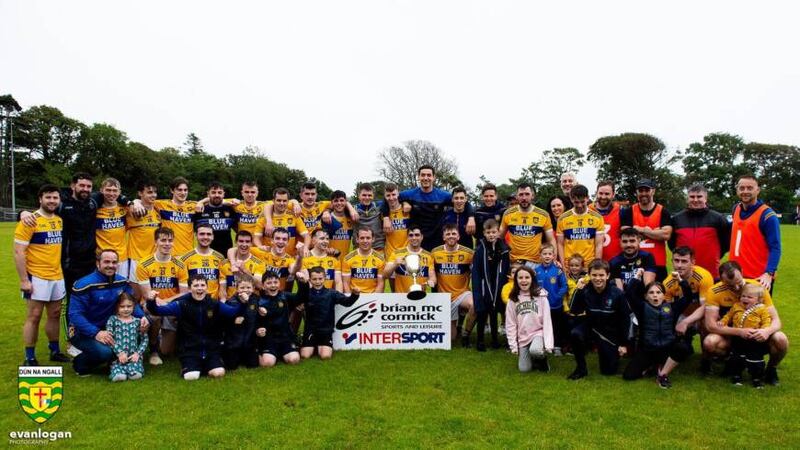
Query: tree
{"type": "Point", "coordinates": [101, 151]}
{"type": "Point", "coordinates": [630, 157]}
{"type": "Point", "coordinates": [716, 163]}
{"type": "Point", "coordinates": [47, 134]}
{"type": "Point", "coordinates": [9, 110]}
{"type": "Point", "coordinates": [193, 145]}
{"type": "Point", "coordinates": [399, 164]}
{"type": "Point", "coordinates": [253, 164]}
{"type": "Point", "coordinates": [777, 168]}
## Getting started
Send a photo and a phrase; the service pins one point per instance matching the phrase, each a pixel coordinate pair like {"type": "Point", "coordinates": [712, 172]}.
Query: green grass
{"type": "Point", "coordinates": [414, 399]}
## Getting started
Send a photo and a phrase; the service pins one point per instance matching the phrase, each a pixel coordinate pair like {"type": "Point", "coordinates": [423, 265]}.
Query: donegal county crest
{"type": "Point", "coordinates": [40, 391]}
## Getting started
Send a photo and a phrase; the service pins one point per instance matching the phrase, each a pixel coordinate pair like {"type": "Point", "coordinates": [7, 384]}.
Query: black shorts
{"type": "Point", "coordinates": [312, 339]}
{"type": "Point", "coordinates": [278, 349]}
{"type": "Point", "coordinates": [198, 363]}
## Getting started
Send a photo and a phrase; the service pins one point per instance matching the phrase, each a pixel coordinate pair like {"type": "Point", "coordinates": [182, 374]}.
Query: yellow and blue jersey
{"type": "Point", "coordinates": [329, 263]}
{"type": "Point", "coordinates": [141, 238]}
{"type": "Point", "coordinates": [292, 224]}
{"type": "Point", "coordinates": [165, 278]}
{"type": "Point", "coordinates": [247, 217]}
{"type": "Point", "coordinates": [254, 265]}
{"type": "Point", "coordinates": [579, 232]}
{"type": "Point", "coordinates": [280, 265]}
{"type": "Point", "coordinates": [453, 269]}
{"type": "Point", "coordinates": [402, 279]}
{"type": "Point", "coordinates": [180, 218]}
{"type": "Point", "coordinates": [341, 236]}
{"type": "Point", "coordinates": [363, 270]}
{"type": "Point", "coordinates": [206, 265]}
{"type": "Point", "coordinates": [398, 237]}
{"type": "Point", "coordinates": [109, 230]}
{"type": "Point", "coordinates": [312, 217]}
{"type": "Point", "coordinates": [525, 231]}
{"type": "Point", "coordinates": [43, 255]}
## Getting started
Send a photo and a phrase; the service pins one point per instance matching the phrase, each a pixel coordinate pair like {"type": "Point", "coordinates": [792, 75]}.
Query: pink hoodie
{"type": "Point", "coordinates": [527, 318]}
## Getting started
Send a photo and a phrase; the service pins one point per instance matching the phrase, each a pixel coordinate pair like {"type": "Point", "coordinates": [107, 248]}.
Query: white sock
{"type": "Point", "coordinates": [135, 376]}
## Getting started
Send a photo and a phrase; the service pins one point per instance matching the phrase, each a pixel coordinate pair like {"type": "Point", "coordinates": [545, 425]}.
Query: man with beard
{"type": "Point", "coordinates": [37, 256]}
{"type": "Point", "coordinates": [580, 230]}
{"type": "Point", "coordinates": [653, 221]}
{"type": "Point", "coordinates": [627, 263]}
{"type": "Point", "coordinates": [527, 226]}
{"type": "Point", "coordinates": [219, 215]}
{"type": "Point", "coordinates": [756, 234]}
{"type": "Point", "coordinates": [704, 230]}
{"type": "Point", "coordinates": [610, 210]}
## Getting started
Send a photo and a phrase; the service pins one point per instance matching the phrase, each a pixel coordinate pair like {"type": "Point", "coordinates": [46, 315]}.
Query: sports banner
{"type": "Point", "coordinates": [391, 321]}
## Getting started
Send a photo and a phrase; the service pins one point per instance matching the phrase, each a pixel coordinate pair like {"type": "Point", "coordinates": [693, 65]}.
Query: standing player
{"type": "Point", "coordinates": [340, 229]}
{"type": "Point", "coordinates": [320, 257]}
{"type": "Point", "coordinates": [580, 230]}
{"type": "Point", "coordinates": [457, 215]}
{"type": "Point", "coordinates": [141, 241]}
{"type": "Point", "coordinates": [368, 215]}
{"type": "Point", "coordinates": [37, 256]}
{"type": "Point", "coordinates": [281, 217]}
{"type": "Point", "coordinates": [704, 230]}
{"type": "Point", "coordinates": [204, 261]}
{"type": "Point", "coordinates": [756, 234]}
{"type": "Point", "coordinates": [219, 215]}
{"type": "Point", "coordinates": [110, 224]}
{"type": "Point", "coordinates": [453, 265]}
{"type": "Point", "coordinates": [489, 209]}
{"type": "Point", "coordinates": [426, 205]}
{"type": "Point", "coordinates": [397, 264]}
{"type": "Point", "coordinates": [395, 224]}
{"type": "Point", "coordinates": [567, 181]}
{"type": "Point", "coordinates": [605, 205]}
{"type": "Point", "coordinates": [177, 213]}
{"type": "Point", "coordinates": [363, 267]}
{"type": "Point", "coordinates": [526, 225]}
{"type": "Point", "coordinates": [653, 221]}
{"type": "Point", "coordinates": [166, 275]}
{"type": "Point", "coordinates": [250, 209]}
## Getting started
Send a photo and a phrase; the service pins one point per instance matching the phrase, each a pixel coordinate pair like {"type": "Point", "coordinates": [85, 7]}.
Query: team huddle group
{"type": "Point", "coordinates": [213, 280]}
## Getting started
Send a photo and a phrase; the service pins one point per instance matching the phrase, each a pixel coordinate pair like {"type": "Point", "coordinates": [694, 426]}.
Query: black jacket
{"type": "Point", "coordinates": [657, 324]}
{"type": "Point", "coordinates": [278, 307]}
{"type": "Point", "coordinates": [321, 307]}
{"type": "Point", "coordinates": [242, 336]}
{"type": "Point", "coordinates": [490, 269]}
{"type": "Point", "coordinates": [200, 323]}
{"type": "Point", "coordinates": [607, 312]}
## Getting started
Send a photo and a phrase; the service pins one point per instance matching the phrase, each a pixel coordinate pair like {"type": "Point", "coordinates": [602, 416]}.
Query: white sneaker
{"type": "Point", "coordinates": [557, 351]}
{"type": "Point", "coordinates": [155, 360]}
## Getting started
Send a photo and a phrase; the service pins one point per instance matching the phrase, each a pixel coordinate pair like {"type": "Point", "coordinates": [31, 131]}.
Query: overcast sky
{"type": "Point", "coordinates": [323, 86]}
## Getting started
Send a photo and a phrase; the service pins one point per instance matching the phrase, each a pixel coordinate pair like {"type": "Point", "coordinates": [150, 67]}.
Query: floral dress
{"type": "Point", "coordinates": [127, 339]}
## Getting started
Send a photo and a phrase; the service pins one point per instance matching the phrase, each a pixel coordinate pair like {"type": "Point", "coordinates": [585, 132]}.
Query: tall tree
{"type": "Point", "coordinates": [193, 145]}
{"type": "Point", "coordinates": [628, 157]}
{"type": "Point", "coordinates": [717, 162]}
{"type": "Point", "coordinates": [399, 164]}
{"type": "Point", "coordinates": [47, 134]}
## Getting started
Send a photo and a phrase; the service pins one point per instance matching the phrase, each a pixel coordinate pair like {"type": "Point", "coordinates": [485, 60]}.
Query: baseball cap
{"type": "Point", "coordinates": [646, 182]}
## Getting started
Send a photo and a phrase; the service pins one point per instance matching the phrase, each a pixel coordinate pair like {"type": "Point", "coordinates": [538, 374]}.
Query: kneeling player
{"type": "Point", "coordinates": [240, 339]}
{"type": "Point", "coordinates": [320, 308]}
{"type": "Point", "coordinates": [276, 336]}
{"type": "Point", "coordinates": [200, 324]}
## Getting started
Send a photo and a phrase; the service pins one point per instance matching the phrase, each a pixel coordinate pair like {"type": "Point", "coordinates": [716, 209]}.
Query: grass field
{"type": "Point", "coordinates": [460, 398]}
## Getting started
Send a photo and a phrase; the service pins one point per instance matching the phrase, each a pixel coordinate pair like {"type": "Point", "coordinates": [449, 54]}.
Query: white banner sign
{"type": "Point", "coordinates": [391, 321]}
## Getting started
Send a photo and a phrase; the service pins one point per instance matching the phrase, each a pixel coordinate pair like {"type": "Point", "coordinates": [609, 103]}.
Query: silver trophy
{"type": "Point", "coordinates": [416, 291]}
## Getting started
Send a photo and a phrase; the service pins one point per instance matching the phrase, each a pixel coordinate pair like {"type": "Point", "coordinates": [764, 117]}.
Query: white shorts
{"type": "Point", "coordinates": [455, 305]}
{"type": "Point", "coordinates": [46, 290]}
{"type": "Point", "coordinates": [124, 268]}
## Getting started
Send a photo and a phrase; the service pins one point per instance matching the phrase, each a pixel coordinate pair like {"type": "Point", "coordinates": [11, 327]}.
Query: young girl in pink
{"type": "Point", "coordinates": [528, 327]}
